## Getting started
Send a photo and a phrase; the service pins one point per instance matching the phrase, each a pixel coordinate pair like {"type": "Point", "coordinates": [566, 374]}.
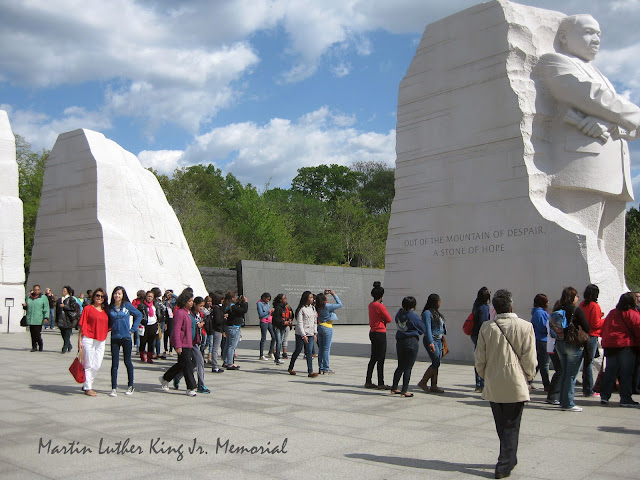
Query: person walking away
{"type": "Point", "coordinates": [539, 320]}
{"type": "Point", "coordinates": [481, 314]}
{"type": "Point", "coordinates": [505, 357]}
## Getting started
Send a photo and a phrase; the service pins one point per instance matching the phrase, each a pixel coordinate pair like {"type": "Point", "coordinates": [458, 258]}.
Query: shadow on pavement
{"type": "Point", "coordinates": [469, 469]}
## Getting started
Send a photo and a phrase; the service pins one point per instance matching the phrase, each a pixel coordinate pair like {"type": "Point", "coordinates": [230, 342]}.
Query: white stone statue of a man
{"type": "Point", "coordinates": [590, 177]}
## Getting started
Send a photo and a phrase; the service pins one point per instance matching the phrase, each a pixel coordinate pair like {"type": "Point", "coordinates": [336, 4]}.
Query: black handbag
{"type": "Point", "coordinates": [575, 335]}
{"type": "Point", "coordinates": [23, 321]}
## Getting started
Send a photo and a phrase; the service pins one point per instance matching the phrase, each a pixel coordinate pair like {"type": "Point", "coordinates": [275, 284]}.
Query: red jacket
{"type": "Point", "coordinates": [378, 317]}
{"type": "Point", "coordinates": [594, 316]}
{"type": "Point", "coordinates": [621, 329]}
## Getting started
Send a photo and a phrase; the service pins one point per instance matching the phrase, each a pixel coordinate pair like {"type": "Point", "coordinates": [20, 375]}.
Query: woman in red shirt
{"type": "Point", "coordinates": [595, 317]}
{"type": "Point", "coordinates": [94, 326]}
{"type": "Point", "coordinates": [378, 319]}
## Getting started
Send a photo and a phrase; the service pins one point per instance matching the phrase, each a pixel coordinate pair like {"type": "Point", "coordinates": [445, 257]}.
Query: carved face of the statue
{"type": "Point", "coordinates": [583, 40]}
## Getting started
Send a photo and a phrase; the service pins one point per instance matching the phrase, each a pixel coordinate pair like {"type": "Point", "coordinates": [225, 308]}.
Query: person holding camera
{"type": "Point", "coordinates": [326, 317]}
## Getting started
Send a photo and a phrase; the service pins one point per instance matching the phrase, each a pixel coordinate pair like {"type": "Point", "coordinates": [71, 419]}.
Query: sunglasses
{"type": "Point", "coordinates": [99, 295]}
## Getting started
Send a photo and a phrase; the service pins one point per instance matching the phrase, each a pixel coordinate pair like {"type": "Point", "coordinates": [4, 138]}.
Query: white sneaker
{"type": "Point", "coordinates": [114, 393]}
{"type": "Point", "coordinates": [164, 385]}
{"type": "Point", "coordinates": [262, 357]}
{"type": "Point", "coordinates": [191, 393]}
{"type": "Point", "coordinates": [129, 391]}
{"type": "Point", "coordinates": [575, 408]}
{"type": "Point", "coordinates": [279, 362]}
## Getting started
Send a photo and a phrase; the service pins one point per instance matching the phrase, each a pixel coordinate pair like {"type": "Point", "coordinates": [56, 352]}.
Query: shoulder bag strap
{"type": "Point", "coordinates": [513, 349]}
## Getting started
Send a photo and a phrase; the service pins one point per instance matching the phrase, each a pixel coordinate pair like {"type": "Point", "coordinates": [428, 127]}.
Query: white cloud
{"type": "Point", "coordinates": [164, 161]}
{"type": "Point", "coordinates": [41, 130]}
{"type": "Point", "coordinates": [341, 70]}
{"type": "Point", "coordinates": [272, 153]}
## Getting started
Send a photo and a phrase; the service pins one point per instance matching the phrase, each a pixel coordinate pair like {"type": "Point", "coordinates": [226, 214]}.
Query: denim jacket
{"type": "Point", "coordinates": [263, 310]}
{"type": "Point", "coordinates": [327, 314]}
{"type": "Point", "coordinates": [120, 320]}
{"type": "Point", "coordinates": [434, 327]}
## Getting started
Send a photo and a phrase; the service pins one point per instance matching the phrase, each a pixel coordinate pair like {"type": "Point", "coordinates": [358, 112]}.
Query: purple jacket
{"type": "Point", "coordinates": [181, 335]}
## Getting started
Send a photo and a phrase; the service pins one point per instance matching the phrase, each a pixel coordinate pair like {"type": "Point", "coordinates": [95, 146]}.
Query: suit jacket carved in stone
{"type": "Point", "coordinates": [579, 161]}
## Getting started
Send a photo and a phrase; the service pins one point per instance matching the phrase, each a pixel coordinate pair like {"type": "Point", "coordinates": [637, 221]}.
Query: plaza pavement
{"type": "Point", "coordinates": [334, 428]}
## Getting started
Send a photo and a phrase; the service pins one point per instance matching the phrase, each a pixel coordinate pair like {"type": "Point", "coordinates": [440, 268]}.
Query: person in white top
{"type": "Point", "coordinates": [150, 322]}
{"type": "Point", "coordinates": [306, 332]}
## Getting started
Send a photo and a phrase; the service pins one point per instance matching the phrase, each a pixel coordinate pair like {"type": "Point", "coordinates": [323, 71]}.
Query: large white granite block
{"type": "Point", "coordinates": [105, 221]}
{"type": "Point", "coordinates": [11, 231]}
{"type": "Point", "coordinates": [482, 195]}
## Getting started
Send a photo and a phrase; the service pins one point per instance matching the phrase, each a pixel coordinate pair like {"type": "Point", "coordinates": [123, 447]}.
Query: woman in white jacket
{"type": "Point", "coordinates": [306, 332]}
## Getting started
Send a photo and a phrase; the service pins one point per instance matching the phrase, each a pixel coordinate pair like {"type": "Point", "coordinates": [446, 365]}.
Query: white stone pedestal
{"type": "Point", "coordinates": [11, 231]}
{"type": "Point", "coordinates": [471, 199]}
{"type": "Point", "coordinates": [104, 221]}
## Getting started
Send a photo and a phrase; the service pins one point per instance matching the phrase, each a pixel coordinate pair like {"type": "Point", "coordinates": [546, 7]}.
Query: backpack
{"type": "Point", "coordinates": [73, 314]}
{"type": "Point", "coordinates": [557, 324]}
{"type": "Point", "coordinates": [467, 326]}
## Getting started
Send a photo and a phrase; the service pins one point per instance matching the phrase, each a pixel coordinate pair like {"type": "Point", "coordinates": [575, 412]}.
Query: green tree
{"type": "Point", "coordinates": [632, 249]}
{"type": "Point", "coordinates": [30, 177]}
{"type": "Point", "coordinates": [326, 182]}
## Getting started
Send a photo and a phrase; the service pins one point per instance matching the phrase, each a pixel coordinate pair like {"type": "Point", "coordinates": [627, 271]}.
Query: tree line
{"type": "Point", "coordinates": [331, 214]}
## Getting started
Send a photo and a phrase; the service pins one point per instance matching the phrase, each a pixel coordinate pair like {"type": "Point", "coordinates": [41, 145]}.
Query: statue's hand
{"type": "Point", "coordinates": [594, 127]}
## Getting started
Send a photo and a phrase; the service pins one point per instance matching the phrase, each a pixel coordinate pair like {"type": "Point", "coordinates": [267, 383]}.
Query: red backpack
{"type": "Point", "coordinates": [467, 326]}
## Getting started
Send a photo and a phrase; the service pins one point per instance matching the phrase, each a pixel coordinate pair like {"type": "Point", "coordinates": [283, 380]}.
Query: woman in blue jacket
{"type": "Point", "coordinates": [410, 327]}
{"type": "Point", "coordinates": [539, 320]}
{"type": "Point", "coordinates": [326, 317]}
{"type": "Point", "coordinates": [480, 315]}
{"type": "Point", "coordinates": [434, 333]}
{"type": "Point", "coordinates": [120, 311]}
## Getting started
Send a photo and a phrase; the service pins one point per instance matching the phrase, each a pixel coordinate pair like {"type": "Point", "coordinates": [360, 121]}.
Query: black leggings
{"type": "Point", "coordinates": [407, 349]}
{"type": "Point", "coordinates": [150, 335]}
{"type": "Point", "coordinates": [36, 336]}
{"type": "Point", "coordinates": [378, 354]}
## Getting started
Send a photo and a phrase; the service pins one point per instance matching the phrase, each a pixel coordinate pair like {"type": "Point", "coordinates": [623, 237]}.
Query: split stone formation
{"type": "Point", "coordinates": [105, 221]}
{"type": "Point", "coordinates": [11, 233]}
{"type": "Point", "coordinates": [497, 183]}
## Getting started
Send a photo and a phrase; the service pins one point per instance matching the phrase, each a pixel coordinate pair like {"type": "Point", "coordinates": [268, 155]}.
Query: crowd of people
{"type": "Point", "coordinates": [509, 351]}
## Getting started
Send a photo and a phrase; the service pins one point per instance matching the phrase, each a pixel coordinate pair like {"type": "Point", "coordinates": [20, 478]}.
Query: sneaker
{"type": "Point", "coordinates": [233, 367]}
{"type": "Point", "coordinates": [631, 404]}
{"type": "Point", "coordinates": [203, 389]}
{"type": "Point", "coordinates": [191, 393]}
{"type": "Point", "coordinates": [114, 393]}
{"type": "Point", "coordinates": [262, 357]}
{"type": "Point", "coordinates": [164, 385]}
{"type": "Point", "coordinates": [478, 390]}
{"type": "Point", "coordinates": [575, 408]}
{"type": "Point", "coordinates": [329, 372]}
{"type": "Point", "coordinates": [604, 402]}
{"type": "Point", "coordinates": [176, 384]}
{"type": "Point", "coordinates": [130, 391]}
{"type": "Point", "coordinates": [596, 394]}
{"type": "Point", "coordinates": [284, 355]}
{"type": "Point", "coordinates": [217, 370]}
{"type": "Point", "coordinates": [552, 402]}
{"type": "Point", "coordinates": [279, 362]}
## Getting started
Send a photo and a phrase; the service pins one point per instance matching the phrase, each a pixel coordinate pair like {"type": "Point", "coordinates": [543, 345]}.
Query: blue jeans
{"type": "Point", "coordinates": [308, 350]}
{"type": "Point", "coordinates": [126, 345]}
{"type": "Point", "coordinates": [619, 365]}
{"type": "Point", "coordinates": [208, 342]}
{"type": "Point", "coordinates": [325, 335]}
{"type": "Point", "coordinates": [479, 379]}
{"type": "Point", "coordinates": [264, 328]}
{"type": "Point", "coordinates": [279, 334]}
{"type": "Point", "coordinates": [52, 318]}
{"type": "Point", "coordinates": [233, 337]}
{"type": "Point", "coordinates": [587, 371]}
{"type": "Point", "coordinates": [570, 358]}
{"type": "Point", "coordinates": [543, 362]}
{"type": "Point", "coordinates": [434, 356]}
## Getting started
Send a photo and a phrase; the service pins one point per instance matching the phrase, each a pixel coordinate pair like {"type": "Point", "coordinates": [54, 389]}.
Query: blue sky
{"type": "Point", "coordinates": [257, 87]}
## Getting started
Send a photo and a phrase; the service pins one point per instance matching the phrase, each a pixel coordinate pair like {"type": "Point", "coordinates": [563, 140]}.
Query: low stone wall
{"type": "Point", "coordinates": [352, 285]}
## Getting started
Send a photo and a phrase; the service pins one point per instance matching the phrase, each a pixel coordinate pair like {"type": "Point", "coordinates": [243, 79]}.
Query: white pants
{"type": "Point", "coordinates": [92, 354]}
